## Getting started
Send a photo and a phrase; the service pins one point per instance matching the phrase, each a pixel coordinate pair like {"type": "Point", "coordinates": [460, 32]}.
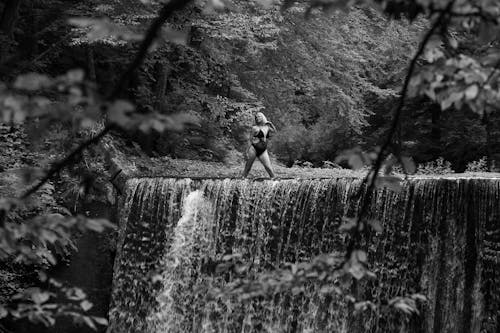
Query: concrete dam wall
{"type": "Point", "coordinates": [440, 238]}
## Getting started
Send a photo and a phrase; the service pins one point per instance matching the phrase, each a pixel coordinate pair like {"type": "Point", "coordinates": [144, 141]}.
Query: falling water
{"type": "Point", "coordinates": [441, 238]}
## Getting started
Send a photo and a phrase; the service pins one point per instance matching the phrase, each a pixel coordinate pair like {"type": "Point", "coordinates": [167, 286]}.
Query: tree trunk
{"type": "Point", "coordinates": [161, 85]}
{"type": "Point", "coordinates": [91, 64]}
{"type": "Point", "coordinates": [487, 128]}
{"type": "Point", "coordinates": [34, 30]}
{"type": "Point", "coordinates": [9, 17]}
{"type": "Point", "coordinates": [436, 129]}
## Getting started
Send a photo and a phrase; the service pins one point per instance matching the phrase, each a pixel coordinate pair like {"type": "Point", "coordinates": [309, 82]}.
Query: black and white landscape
{"type": "Point", "coordinates": [249, 166]}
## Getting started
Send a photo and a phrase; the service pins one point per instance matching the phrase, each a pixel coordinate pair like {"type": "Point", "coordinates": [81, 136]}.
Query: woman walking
{"type": "Point", "coordinates": [258, 147]}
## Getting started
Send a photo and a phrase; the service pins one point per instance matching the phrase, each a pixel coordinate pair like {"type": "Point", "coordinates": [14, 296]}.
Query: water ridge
{"type": "Point", "coordinates": [441, 238]}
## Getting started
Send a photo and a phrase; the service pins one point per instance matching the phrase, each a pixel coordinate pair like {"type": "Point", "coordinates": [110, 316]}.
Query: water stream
{"type": "Point", "coordinates": [441, 238]}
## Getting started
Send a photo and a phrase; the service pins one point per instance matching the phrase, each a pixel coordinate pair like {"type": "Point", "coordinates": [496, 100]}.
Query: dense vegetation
{"type": "Point", "coordinates": [330, 82]}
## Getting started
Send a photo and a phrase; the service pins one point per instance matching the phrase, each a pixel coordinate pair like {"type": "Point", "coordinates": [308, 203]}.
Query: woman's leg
{"type": "Point", "coordinates": [251, 154]}
{"type": "Point", "coordinates": [264, 159]}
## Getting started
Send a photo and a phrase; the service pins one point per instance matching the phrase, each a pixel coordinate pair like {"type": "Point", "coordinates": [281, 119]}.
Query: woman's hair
{"type": "Point", "coordinates": [264, 118]}
{"type": "Point", "coordinates": [265, 121]}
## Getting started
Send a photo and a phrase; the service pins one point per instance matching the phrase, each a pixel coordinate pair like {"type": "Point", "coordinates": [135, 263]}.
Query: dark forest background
{"type": "Point", "coordinates": [331, 75]}
{"type": "Point", "coordinates": [329, 83]}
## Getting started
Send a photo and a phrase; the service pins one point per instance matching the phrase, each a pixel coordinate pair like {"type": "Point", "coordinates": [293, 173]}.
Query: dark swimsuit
{"type": "Point", "coordinates": [261, 146]}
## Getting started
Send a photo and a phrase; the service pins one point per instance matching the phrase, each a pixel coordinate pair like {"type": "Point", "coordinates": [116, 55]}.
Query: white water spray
{"type": "Point", "coordinates": [191, 244]}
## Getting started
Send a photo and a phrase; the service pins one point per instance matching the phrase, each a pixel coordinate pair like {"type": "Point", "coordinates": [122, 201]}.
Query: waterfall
{"type": "Point", "coordinates": [192, 240]}
{"type": "Point", "coordinates": [441, 238]}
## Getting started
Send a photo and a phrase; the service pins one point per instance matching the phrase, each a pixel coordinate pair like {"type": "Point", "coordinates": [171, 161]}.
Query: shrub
{"type": "Point", "coordinates": [291, 143]}
{"type": "Point", "coordinates": [480, 165]}
{"type": "Point", "coordinates": [330, 165]}
{"type": "Point", "coordinates": [302, 164]}
{"type": "Point", "coordinates": [437, 167]}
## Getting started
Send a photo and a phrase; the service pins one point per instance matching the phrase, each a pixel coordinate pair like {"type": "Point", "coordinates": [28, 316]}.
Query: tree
{"type": "Point", "coordinates": [9, 17]}
{"type": "Point", "coordinates": [448, 77]}
{"type": "Point", "coordinates": [27, 99]}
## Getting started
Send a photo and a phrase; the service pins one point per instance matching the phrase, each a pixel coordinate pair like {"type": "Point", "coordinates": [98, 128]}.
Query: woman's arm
{"type": "Point", "coordinates": [271, 126]}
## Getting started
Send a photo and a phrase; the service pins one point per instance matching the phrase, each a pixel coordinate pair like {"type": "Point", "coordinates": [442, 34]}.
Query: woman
{"type": "Point", "coordinates": [258, 147]}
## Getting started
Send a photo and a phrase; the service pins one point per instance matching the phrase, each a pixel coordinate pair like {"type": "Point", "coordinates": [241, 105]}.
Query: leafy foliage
{"type": "Point", "coordinates": [480, 165]}
{"type": "Point", "coordinates": [36, 235]}
{"type": "Point", "coordinates": [437, 167]}
{"type": "Point", "coordinates": [321, 76]}
{"type": "Point", "coordinates": [40, 306]}
{"type": "Point", "coordinates": [324, 80]}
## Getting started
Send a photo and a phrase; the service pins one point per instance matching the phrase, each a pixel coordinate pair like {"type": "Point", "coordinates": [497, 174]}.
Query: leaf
{"type": "Point", "coordinates": [389, 164]}
{"type": "Point", "coordinates": [55, 283]}
{"type": "Point", "coordinates": [416, 80]}
{"type": "Point", "coordinates": [419, 297]}
{"type": "Point", "coordinates": [452, 98]}
{"type": "Point", "coordinates": [103, 28]}
{"type": "Point", "coordinates": [471, 92]}
{"type": "Point", "coordinates": [13, 110]}
{"type": "Point", "coordinates": [213, 6]}
{"type": "Point", "coordinates": [232, 256]}
{"type": "Point", "coordinates": [360, 255]}
{"type": "Point", "coordinates": [75, 76]}
{"type": "Point", "coordinates": [40, 297]}
{"type": "Point", "coordinates": [349, 224]}
{"type": "Point", "coordinates": [47, 319]}
{"type": "Point", "coordinates": [75, 294]}
{"type": "Point", "coordinates": [98, 225]}
{"type": "Point", "coordinates": [88, 321]}
{"type": "Point", "coordinates": [376, 225]}
{"type": "Point", "coordinates": [120, 113]}
{"type": "Point", "coordinates": [51, 306]}
{"type": "Point", "coordinates": [48, 256]}
{"type": "Point", "coordinates": [49, 236]}
{"type": "Point", "coordinates": [361, 306]}
{"type": "Point", "coordinates": [453, 42]}
{"type": "Point", "coordinates": [101, 321]}
{"type": "Point", "coordinates": [430, 93]}
{"type": "Point", "coordinates": [161, 123]}
{"type": "Point", "coordinates": [408, 165]}
{"type": "Point", "coordinates": [356, 158]}
{"type": "Point", "coordinates": [404, 307]}
{"type": "Point", "coordinates": [42, 276]}
{"type": "Point", "coordinates": [433, 54]}
{"type": "Point", "coordinates": [433, 49]}
{"type": "Point", "coordinates": [355, 162]}
{"type": "Point", "coordinates": [297, 290]}
{"type": "Point", "coordinates": [86, 305]}
{"type": "Point", "coordinates": [32, 81]}
{"type": "Point", "coordinates": [356, 270]}
{"type": "Point", "coordinates": [3, 312]}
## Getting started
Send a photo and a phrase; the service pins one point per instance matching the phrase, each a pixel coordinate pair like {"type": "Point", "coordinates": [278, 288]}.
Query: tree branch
{"type": "Point", "coordinates": [402, 98]}
{"type": "Point", "coordinates": [152, 33]}
{"type": "Point", "coordinates": [166, 11]}
{"type": "Point", "coordinates": [371, 178]}
{"type": "Point", "coordinates": [58, 166]}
